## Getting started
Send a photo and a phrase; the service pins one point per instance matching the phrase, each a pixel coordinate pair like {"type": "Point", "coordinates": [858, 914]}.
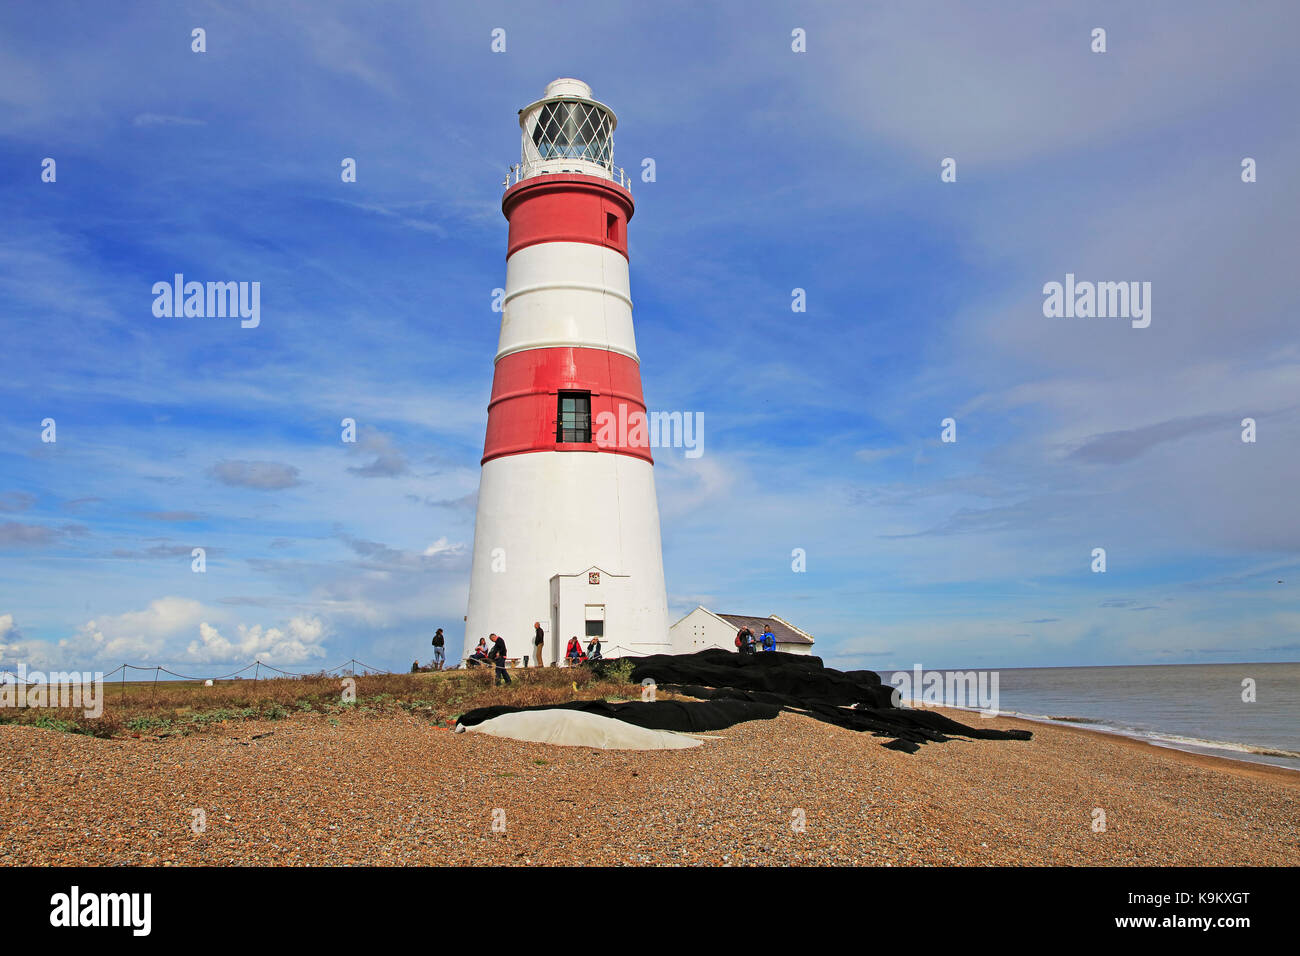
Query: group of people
{"type": "Point", "coordinates": [574, 654]}
{"type": "Point", "coordinates": [746, 643]}
{"type": "Point", "coordinates": [495, 652]}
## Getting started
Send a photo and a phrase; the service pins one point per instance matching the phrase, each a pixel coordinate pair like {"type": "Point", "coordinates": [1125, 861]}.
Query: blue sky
{"type": "Point", "coordinates": [775, 170]}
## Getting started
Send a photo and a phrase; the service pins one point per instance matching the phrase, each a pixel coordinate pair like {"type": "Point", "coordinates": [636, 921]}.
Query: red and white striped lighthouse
{"type": "Point", "coordinates": [567, 531]}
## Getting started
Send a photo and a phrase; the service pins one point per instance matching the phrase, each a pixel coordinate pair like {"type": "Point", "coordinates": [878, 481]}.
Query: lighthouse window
{"type": "Point", "coordinates": [611, 227]}
{"type": "Point", "coordinates": [573, 423]}
{"type": "Point", "coordinates": [574, 130]}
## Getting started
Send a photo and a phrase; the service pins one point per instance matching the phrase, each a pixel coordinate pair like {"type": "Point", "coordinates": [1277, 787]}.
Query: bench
{"type": "Point", "coordinates": [510, 662]}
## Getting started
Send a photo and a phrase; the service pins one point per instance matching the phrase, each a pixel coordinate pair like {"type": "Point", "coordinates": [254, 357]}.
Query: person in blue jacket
{"type": "Point", "coordinates": [769, 640]}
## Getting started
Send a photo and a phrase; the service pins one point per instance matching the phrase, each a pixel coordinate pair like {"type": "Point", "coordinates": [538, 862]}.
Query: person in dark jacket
{"type": "Point", "coordinates": [593, 649]}
{"type": "Point", "coordinates": [539, 641]}
{"type": "Point", "coordinates": [439, 655]}
{"type": "Point", "coordinates": [745, 640]}
{"type": "Point", "coordinates": [498, 655]}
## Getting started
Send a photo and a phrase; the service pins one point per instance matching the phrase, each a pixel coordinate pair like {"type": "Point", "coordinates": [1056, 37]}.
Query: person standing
{"type": "Point", "coordinates": [745, 640]}
{"type": "Point", "coordinates": [439, 654]}
{"type": "Point", "coordinates": [769, 640]}
{"type": "Point", "coordinates": [539, 641]}
{"type": "Point", "coordinates": [498, 654]}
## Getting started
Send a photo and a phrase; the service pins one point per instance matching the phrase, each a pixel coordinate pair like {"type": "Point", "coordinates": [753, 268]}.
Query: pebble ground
{"type": "Point", "coordinates": [789, 791]}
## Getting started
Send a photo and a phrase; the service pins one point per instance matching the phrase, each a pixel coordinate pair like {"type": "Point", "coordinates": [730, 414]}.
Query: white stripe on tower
{"type": "Point", "coordinates": [567, 293]}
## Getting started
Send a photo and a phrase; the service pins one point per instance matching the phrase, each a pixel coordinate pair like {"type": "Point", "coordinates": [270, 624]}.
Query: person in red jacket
{"type": "Point", "coordinates": [573, 653]}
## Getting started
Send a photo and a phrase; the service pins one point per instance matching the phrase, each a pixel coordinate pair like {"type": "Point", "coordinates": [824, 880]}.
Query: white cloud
{"type": "Point", "coordinates": [443, 546]}
{"type": "Point", "coordinates": [688, 485]}
{"type": "Point", "coordinates": [297, 642]}
{"type": "Point", "coordinates": [169, 629]}
{"type": "Point", "coordinates": [137, 635]}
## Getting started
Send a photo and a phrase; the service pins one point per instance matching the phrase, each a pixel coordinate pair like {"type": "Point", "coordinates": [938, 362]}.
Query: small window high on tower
{"type": "Point", "coordinates": [573, 421]}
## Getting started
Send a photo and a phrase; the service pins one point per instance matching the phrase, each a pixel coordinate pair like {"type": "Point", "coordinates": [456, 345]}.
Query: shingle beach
{"type": "Point", "coordinates": [396, 789]}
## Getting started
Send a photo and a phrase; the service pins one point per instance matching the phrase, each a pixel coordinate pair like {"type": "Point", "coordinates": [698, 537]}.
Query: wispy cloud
{"type": "Point", "coordinates": [263, 475]}
{"type": "Point", "coordinates": [158, 119]}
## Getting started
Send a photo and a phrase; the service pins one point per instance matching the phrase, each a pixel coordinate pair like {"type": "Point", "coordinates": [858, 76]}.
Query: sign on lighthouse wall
{"type": "Point", "coordinates": [570, 515]}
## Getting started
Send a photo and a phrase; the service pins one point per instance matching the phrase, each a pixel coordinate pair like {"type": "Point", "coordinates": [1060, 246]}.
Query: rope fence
{"type": "Point", "coordinates": [350, 666]}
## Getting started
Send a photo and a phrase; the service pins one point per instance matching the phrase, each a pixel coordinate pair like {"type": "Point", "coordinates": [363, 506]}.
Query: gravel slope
{"type": "Point", "coordinates": [397, 790]}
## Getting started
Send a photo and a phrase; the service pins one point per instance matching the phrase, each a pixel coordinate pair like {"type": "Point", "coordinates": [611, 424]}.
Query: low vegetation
{"type": "Point", "coordinates": [168, 708]}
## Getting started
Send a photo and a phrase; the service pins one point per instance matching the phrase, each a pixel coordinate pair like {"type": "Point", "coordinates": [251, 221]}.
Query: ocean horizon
{"type": "Point", "coordinates": [1193, 707]}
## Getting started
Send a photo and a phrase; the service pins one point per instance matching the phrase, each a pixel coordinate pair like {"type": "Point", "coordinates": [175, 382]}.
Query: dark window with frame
{"type": "Point", "coordinates": [595, 628]}
{"type": "Point", "coordinates": [611, 227]}
{"type": "Point", "coordinates": [573, 421]}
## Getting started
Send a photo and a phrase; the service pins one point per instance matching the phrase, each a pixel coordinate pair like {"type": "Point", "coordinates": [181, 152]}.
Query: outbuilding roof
{"type": "Point", "coordinates": [782, 630]}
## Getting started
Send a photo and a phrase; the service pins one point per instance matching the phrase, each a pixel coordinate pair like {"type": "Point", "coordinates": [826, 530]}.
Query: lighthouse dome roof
{"type": "Point", "coordinates": [567, 86]}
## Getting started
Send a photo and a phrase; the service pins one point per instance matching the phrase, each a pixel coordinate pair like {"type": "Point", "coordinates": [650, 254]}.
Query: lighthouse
{"type": "Point", "coordinates": [567, 529]}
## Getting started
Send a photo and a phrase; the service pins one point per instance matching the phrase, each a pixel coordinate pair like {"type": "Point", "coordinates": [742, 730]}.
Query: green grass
{"type": "Point", "coordinates": [170, 708]}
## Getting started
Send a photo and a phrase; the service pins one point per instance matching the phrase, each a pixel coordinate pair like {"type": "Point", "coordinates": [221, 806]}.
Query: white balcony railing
{"type": "Point", "coordinates": [616, 173]}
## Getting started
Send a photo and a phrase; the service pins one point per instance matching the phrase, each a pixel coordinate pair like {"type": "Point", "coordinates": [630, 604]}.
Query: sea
{"type": "Point", "coordinates": [1194, 707]}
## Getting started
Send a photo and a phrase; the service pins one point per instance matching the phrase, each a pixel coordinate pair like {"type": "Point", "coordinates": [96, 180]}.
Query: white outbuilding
{"type": "Point", "coordinates": [702, 629]}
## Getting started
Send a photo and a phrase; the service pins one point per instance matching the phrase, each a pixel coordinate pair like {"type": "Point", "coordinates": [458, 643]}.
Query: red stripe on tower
{"type": "Point", "coordinates": [522, 416]}
{"type": "Point", "coordinates": [567, 208]}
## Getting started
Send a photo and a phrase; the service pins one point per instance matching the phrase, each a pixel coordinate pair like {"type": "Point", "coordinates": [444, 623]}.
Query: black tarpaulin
{"type": "Point", "coordinates": [801, 684]}
{"type": "Point", "coordinates": [800, 676]}
{"type": "Point", "coordinates": [733, 688]}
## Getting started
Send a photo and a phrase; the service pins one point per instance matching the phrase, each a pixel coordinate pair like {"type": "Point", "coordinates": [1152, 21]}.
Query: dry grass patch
{"type": "Point", "coordinates": [170, 708]}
